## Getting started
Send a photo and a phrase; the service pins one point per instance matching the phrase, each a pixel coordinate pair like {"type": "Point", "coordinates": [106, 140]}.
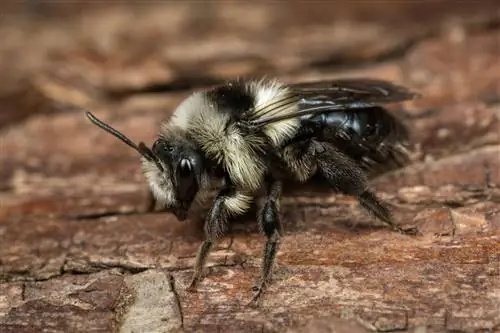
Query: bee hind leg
{"type": "Point", "coordinates": [373, 204]}
{"type": "Point", "coordinates": [270, 224]}
{"type": "Point", "coordinates": [345, 176]}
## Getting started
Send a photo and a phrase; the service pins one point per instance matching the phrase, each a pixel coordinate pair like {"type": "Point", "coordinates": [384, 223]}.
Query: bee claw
{"type": "Point", "coordinates": [193, 286]}
{"type": "Point", "coordinates": [258, 290]}
{"type": "Point", "coordinates": [257, 297]}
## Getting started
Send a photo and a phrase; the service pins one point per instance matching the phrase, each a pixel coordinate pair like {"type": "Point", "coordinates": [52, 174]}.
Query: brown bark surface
{"type": "Point", "coordinates": [77, 252]}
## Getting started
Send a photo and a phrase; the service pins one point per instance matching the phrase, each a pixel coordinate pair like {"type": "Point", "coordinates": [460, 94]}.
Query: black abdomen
{"type": "Point", "coordinates": [371, 136]}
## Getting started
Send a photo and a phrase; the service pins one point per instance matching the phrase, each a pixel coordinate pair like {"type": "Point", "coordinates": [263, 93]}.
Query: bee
{"type": "Point", "coordinates": [246, 140]}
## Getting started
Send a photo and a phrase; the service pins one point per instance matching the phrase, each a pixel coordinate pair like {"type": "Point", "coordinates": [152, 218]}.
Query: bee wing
{"type": "Point", "coordinates": [346, 91]}
{"type": "Point", "coordinates": [343, 94]}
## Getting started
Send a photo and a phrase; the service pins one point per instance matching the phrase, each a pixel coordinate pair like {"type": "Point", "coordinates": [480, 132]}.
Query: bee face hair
{"type": "Point", "coordinates": [160, 182]}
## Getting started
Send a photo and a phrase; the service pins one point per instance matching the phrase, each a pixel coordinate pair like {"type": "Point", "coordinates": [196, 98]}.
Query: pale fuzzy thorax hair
{"type": "Point", "coordinates": [302, 166]}
{"type": "Point", "coordinates": [275, 99]}
{"type": "Point", "coordinates": [186, 111]}
{"type": "Point", "coordinates": [239, 153]}
{"type": "Point", "coordinates": [208, 127]}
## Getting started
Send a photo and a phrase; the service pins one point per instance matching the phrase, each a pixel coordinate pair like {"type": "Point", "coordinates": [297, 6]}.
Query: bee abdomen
{"type": "Point", "coordinates": [371, 136]}
{"type": "Point", "coordinates": [374, 123]}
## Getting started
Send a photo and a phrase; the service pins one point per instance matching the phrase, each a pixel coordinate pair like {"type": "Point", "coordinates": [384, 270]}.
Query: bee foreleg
{"type": "Point", "coordinates": [270, 224]}
{"type": "Point", "coordinates": [228, 202]}
{"type": "Point", "coordinates": [201, 258]}
{"type": "Point", "coordinates": [345, 176]}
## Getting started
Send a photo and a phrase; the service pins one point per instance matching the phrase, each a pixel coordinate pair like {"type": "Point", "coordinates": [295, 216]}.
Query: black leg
{"type": "Point", "coordinates": [270, 224]}
{"type": "Point", "coordinates": [201, 259]}
{"type": "Point", "coordinates": [227, 203]}
{"type": "Point", "coordinates": [373, 204]}
{"type": "Point", "coordinates": [345, 176]}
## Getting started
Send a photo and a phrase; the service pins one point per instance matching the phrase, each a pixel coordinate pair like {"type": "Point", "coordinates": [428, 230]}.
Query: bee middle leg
{"type": "Point", "coordinates": [228, 202]}
{"type": "Point", "coordinates": [270, 224]}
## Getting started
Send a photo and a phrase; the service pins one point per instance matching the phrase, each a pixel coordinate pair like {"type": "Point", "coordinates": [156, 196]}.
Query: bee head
{"type": "Point", "coordinates": [180, 177]}
{"type": "Point", "coordinates": [174, 169]}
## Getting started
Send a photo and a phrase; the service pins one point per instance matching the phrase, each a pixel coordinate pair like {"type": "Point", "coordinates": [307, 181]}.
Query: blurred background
{"type": "Point", "coordinates": [119, 46]}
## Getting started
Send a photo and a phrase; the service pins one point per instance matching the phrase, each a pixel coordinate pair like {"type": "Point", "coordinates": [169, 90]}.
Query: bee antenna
{"type": "Point", "coordinates": [141, 148]}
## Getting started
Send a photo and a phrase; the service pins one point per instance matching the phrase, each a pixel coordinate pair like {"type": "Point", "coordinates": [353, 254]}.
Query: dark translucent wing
{"type": "Point", "coordinates": [318, 97]}
{"type": "Point", "coordinates": [346, 91]}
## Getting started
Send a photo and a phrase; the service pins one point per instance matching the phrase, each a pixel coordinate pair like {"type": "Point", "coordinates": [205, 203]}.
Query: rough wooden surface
{"type": "Point", "coordinates": [78, 255]}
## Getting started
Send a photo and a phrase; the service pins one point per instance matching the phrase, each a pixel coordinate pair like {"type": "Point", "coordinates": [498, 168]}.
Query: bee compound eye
{"type": "Point", "coordinates": [185, 167]}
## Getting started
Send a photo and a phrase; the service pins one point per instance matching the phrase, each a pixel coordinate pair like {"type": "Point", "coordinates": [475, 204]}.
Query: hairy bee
{"type": "Point", "coordinates": [246, 139]}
